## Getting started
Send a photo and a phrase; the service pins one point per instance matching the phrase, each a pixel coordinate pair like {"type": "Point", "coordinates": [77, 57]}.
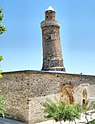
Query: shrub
{"type": "Point", "coordinates": [61, 111]}
{"type": "Point", "coordinates": [91, 122]}
{"type": "Point", "coordinates": [3, 103]}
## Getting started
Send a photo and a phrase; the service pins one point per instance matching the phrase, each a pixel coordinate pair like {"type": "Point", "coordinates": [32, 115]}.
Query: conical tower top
{"type": "Point", "coordinates": [50, 9]}
{"type": "Point", "coordinates": [50, 14]}
{"type": "Point", "coordinates": [52, 54]}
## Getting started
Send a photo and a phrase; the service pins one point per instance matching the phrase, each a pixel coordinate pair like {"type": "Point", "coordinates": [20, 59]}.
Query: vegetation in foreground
{"type": "Point", "coordinates": [91, 122]}
{"type": "Point", "coordinates": [2, 30]}
{"type": "Point", "coordinates": [3, 101]}
{"type": "Point", "coordinates": [61, 111]}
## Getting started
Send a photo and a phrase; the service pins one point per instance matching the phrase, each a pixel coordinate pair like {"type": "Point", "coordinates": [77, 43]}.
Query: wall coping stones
{"type": "Point", "coordinates": [47, 72]}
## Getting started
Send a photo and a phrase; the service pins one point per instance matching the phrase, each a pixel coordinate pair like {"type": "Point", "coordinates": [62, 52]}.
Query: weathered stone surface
{"type": "Point", "coordinates": [25, 90]}
{"type": "Point", "coordinates": [14, 87]}
{"type": "Point", "coordinates": [36, 102]}
{"type": "Point", "coordinates": [52, 54]}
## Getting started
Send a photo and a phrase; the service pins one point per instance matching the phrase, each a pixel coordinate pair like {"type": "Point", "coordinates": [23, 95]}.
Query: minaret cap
{"type": "Point", "coordinates": [50, 9]}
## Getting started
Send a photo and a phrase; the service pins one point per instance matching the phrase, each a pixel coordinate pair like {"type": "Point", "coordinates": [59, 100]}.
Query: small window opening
{"type": "Point", "coordinates": [83, 101]}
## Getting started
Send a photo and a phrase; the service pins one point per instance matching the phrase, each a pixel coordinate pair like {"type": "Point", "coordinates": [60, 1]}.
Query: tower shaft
{"type": "Point", "coordinates": [52, 54]}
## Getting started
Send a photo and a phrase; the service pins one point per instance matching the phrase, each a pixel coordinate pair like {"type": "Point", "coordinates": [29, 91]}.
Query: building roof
{"type": "Point", "coordinates": [50, 9]}
{"type": "Point", "coordinates": [48, 72]}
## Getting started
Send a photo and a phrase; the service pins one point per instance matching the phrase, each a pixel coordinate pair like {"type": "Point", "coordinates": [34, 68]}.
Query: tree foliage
{"type": "Point", "coordinates": [2, 30]}
{"type": "Point", "coordinates": [2, 27]}
{"type": "Point", "coordinates": [3, 101]}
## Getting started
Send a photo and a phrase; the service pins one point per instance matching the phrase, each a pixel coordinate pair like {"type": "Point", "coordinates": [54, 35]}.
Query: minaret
{"type": "Point", "coordinates": [52, 54]}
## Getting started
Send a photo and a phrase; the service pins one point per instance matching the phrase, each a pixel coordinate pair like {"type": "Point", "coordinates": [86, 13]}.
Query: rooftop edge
{"type": "Point", "coordinates": [49, 72]}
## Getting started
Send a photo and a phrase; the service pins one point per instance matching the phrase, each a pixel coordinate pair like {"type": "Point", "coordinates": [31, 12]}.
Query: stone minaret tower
{"type": "Point", "coordinates": [52, 55]}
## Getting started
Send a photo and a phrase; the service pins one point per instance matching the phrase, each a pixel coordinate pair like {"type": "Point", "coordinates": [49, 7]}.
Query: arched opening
{"type": "Point", "coordinates": [67, 94]}
{"type": "Point", "coordinates": [84, 95]}
{"type": "Point", "coordinates": [83, 101]}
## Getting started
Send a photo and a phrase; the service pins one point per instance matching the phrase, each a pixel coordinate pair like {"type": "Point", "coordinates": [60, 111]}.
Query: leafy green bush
{"type": "Point", "coordinates": [3, 103]}
{"type": "Point", "coordinates": [91, 122]}
{"type": "Point", "coordinates": [61, 111]}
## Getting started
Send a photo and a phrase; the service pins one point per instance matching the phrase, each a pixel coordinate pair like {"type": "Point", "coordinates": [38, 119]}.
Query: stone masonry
{"type": "Point", "coordinates": [27, 90]}
{"type": "Point", "coordinates": [52, 54]}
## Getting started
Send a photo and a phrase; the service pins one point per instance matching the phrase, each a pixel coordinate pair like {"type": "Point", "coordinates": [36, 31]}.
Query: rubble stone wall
{"type": "Point", "coordinates": [25, 90]}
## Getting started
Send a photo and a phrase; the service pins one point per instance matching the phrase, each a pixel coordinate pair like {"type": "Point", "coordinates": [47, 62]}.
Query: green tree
{"type": "Point", "coordinates": [3, 101]}
{"type": "Point", "coordinates": [61, 111]}
{"type": "Point", "coordinates": [2, 30]}
{"type": "Point", "coordinates": [2, 27]}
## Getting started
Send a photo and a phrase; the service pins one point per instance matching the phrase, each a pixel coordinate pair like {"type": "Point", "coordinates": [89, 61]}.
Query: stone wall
{"type": "Point", "coordinates": [37, 114]}
{"type": "Point", "coordinates": [14, 87]}
{"type": "Point", "coordinates": [25, 90]}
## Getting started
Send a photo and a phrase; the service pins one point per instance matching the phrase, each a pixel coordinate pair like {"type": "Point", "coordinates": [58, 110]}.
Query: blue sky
{"type": "Point", "coordinates": [21, 45]}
